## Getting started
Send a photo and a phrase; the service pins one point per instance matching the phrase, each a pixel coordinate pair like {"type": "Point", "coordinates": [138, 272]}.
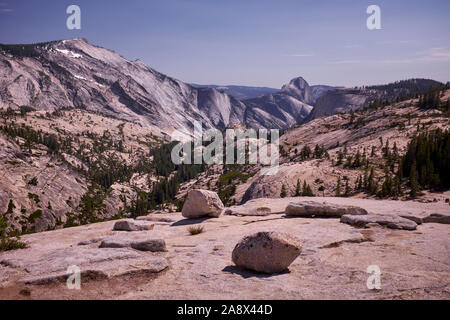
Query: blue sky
{"type": "Point", "coordinates": [253, 42]}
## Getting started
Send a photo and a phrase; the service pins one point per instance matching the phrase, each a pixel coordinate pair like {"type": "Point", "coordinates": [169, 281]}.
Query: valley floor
{"type": "Point", "coordinates": [414, 264]}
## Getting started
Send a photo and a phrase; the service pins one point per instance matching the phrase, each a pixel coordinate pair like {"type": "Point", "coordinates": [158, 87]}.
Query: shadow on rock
{"type": "Point", "coordinates": [187, 222]}
{"type": "Point", "coordinates": [245, 273]}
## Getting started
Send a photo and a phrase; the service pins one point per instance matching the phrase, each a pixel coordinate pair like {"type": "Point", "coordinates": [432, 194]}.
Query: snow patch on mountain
{"type": "Point", "coordinates": [69, 53]}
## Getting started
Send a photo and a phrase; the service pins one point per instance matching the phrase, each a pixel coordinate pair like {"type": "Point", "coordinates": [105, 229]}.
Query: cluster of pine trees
{"type": "Point", "coordinates": [427, 161]}
{"type": "Point", "coordinates": [172, 176]}
{"type": "Point", "coordinates": [300, 191]}
{"type": "Point", "coordinates": [356, 161]}
{"type": "Point", "coordinates": [32, 137]}
{"type": "Point", "coordinates": [9, 239]}
{"type": "Point", "coordinates": [318, 153]}
{"type": "Point", "coordinates": [368, 182]}
{"type": "Point", "coordinates": [402, 90]}
{"type": "Point", "coordinates": [432, 99]}
{"type": "Point", "coordinates": [426, 165]}
{"type": "Point", "coordinates": [428, 91]}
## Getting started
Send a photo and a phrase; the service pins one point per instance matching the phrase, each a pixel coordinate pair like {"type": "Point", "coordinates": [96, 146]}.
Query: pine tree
{"type": "Point", "coordinates": [307, 192]}
{"type": "Point", "coordinates": [372, 154]}
{"type": "Point", "coordinates": [283, 192]}
{"type": "Point", "coordinates": [340, 157]}
{"type": "Point", "coordinates": [413, 181]}
{"type": "Point", "coordinates": [297, 189]}
{"type": "Point", "coordinates": [322, 189]}
{"type": "Point", "coordinates": [338, 187]}
{"type": "Point", "coordinates": [347, 189]}
{"type": "Point", "coordinates": [357, 161]}
{"type": "Point", "coordinates": [372, 185]}
{"type": "Point", "coordinates": [366, 179]}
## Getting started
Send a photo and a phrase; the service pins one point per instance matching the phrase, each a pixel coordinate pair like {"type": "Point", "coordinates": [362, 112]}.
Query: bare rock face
{"type": "Point", "coordinates": [437, 218]}
{"type": "Point", "coordinates": [200, 203]}
{"type": "Point", "coordinates": [267, 252]}
{"type": "Point", "coordinates": [341, 100]}
{"type": "Point", "coordinates": [269, 186]}
{"type": "Point", "coordinates": [390, 221]}
{"type": "Point", "coordinates": [299, 89]}
{"type": "Point", "coordinates": [310, 208]}
{"type": "Point", "coordinates": [128, 225]}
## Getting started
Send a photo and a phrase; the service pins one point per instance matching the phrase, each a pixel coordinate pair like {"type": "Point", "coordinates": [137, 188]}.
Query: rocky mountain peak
{"type": "Point", "coordinates": [299, 89]}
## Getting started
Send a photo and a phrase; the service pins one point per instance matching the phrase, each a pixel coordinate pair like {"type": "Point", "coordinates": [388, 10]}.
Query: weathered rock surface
{"type": "Point", "coordinates": [415, 218]}
{"type": "Point", "coordinates": [154, 219]}
{"type": "Point", "coordinates": [90, 241]}
{"type": "Point", "coordinates": [239, 211]}
{"type": "Point", "coordinates": [129, 225]}
{"type": "Point", "coordinates": [310, 208]}
{"type": "Point", "coordinates": [61, 259]}
{"type": "Point", "coordinates": [200, 203]}
{"type": "Point", "coordinates": [268, 252]}
{"type": "Point", "coordinates": [269, 186]}
{"type": "Point", "coordinates": [97, 272]}
{"type": "Point", "coordinates": [437, 218]}
{"type": "Point", "coordinates": [390, 221]}
{"type": "Point", "coordinates": [153, 245]}
{"type": "Point", "coordinates": [332, 264]}
{"type": "Point", "coordinates": [258, 207]}
{"type": "Point", "coordinates": [140, 242]}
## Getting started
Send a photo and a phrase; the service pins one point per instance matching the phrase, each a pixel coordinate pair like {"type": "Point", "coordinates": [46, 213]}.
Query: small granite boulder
{"type": "Point", "coordinates": [129, 225]}
{"type": "Point", "coordinates": [311, 208]}
{"type": "Point", "coordinates": [200, 203]}
{"type": "Point", "coordinates": [153, 245]}
{"type": "Point", "coordinates": [267, 252]}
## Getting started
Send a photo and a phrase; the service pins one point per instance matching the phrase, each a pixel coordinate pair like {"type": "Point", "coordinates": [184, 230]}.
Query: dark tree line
{"type": "Point", "coordinates": [427, 161]}
{"type": "Point", "coordinates": [432, 99]}
{"type": "Point", "coordinates": [404, 90]}
{"type": "Point", "coordinates": [166, 189]}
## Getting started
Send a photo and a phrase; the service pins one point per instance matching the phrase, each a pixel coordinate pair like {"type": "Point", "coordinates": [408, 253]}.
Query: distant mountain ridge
{"type": "Point", "coordinates": [249, 92]}
{"type": "Point", "coordinates": [76, 74]}
{"type": "Point", "coordinates": [239, 92]}
{"type": "Point", "coordinates": [347, 99]}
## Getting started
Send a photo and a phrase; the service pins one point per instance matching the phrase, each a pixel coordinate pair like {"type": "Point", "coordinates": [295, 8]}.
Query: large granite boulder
{"type": "Point", "coordinates": [311, 208]}
{"type": "Point", "coordinates": [200, 203]}
{"type": "Point", "coordinates": [267, 252]}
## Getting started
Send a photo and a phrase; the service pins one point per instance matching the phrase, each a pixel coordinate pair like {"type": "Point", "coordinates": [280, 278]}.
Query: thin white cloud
{"type": "Point", "coordinates": [4, 7]}
{"type": "Point", "coordinates": [300, 55]}
{"type": "Point", "coordinates": [430, 55]}
{"type": "Point", "coordinates": [344, 62]}
{"type": "Point", "coordinates": [390, 42]}
{"type": "Point", "coordinates": [352, 46]}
